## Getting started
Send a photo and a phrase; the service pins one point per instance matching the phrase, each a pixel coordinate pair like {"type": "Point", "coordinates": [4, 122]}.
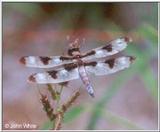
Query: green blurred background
{"type": "Point", "coordinates": [125, 100]}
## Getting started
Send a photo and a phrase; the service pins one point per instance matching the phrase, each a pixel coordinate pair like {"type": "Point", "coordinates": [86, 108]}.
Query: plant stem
{"type": "Point", "coordinates": [52, 91]}
{"type": "Point", "coordinates": [59, 97]}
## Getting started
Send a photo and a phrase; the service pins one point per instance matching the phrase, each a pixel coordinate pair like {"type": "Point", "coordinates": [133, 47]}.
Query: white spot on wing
{"type": "Point", "coordinates": [56, 60]}
{"type": "Point", "coordinates": [31, 60]}
{"type": "Point", "coordinates": [63, 73]}
{"type": "Point", "coordinates": [99, 53]}
{"type": "Point", "coordinates": [41, 77]}
{"type": "Point", "coordinates": [124, 61]}
{"type": "Point", "coordinates": [101, 68]}
{"type": "Point", "coordinates": [118, 40]}
{"type": "Point", "coordinates": [119, 44]}
{"type": "Point", "coordinates": [99, 65]}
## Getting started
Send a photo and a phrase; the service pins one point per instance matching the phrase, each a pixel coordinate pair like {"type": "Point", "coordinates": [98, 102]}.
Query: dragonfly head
{"type": "Point", "coordinates": [74, 48]}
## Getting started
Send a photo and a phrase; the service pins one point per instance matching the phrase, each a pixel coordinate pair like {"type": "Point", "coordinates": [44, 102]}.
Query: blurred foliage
{"type": "Point", "coordinates": [141, 67]}
{"type": "Point", "coordinates": [116, 119]}
{"type": "Point", "coordinates": [141, 25]}
{"type": "Point", "coordinates": [29, 9]}
{"type": "Point", "coordinates": [47, 125]}
{"type": "Point", "coordinates": [73, 114]}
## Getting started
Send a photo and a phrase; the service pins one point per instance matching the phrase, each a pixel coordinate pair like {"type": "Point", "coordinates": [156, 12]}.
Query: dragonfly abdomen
{"type": "Point", "coordinates": [86, 81]}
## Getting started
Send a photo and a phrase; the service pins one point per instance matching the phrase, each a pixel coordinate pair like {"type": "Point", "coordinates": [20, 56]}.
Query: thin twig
{"type": "Point", "coordinates": [70, 101]}
{"type": "Point", "coordinates": [58, 121]}
{"type": "Point", "coordinates": [47, 107]}
{"type": "Point", "coordinates": [58, 99]}
{"type": "Point", "coordinates": [52, 91]}
{"type": "Point", "coordinates": [64, 108]}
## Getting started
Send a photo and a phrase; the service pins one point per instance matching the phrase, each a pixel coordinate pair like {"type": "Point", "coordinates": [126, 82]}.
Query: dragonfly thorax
{"type": "Point", "coordinates": [73, 52]}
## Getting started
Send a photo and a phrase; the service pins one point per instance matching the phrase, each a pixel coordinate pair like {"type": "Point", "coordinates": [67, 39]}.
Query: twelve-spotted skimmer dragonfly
{"type": "Point", "coordinates": [76, 65]}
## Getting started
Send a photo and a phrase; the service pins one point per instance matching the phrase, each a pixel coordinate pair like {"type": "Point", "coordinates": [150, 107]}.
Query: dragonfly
{"type": "Point", "coordinates": [76, 65]}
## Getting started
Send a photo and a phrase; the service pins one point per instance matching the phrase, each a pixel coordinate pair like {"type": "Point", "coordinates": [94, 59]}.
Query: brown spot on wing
{"type": "Point", "coordinates": [45, 60]}
{"type": "Point", "coordinates": [108, 47]}
{"type": "Point", "coordinates": [110, 62]}
{"type": "Point", "coordinates": [64, 83]}
{"type": "Point", "coordinates": [65, 58]}
{"type": "Point", "coordinates": [69, 67]}
{"type": "Point", "coordinates": [53, 74]}
{"type": "Point", "coordinates": [22, 60]}
{"type": "Point", "coordinates": [132, 58]}
{"type": "Point", "coordinates": [32, 78]}
{"type": "Point", "coordinates": [92, 52]}
{"type": "Point", "coordinates": [94, 63]}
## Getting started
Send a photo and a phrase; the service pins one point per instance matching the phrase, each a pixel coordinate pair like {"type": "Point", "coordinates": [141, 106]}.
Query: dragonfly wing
{"type": "Point", "coordinates": [44, 61]}
{"type": "Point", "coordinates": [109, 66]}
{"type": "Point", "coordinates": [112, 47]}
{"type": "Point", "coordinates": [69, 72]}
